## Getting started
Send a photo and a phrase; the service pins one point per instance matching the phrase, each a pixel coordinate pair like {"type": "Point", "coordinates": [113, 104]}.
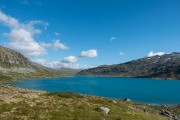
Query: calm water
{"type": "Point", "coordinates": [140, 90]}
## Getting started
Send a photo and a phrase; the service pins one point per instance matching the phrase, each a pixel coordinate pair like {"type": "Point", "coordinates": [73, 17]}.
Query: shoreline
{"type": "Point", "coordinates": [14, 97]}
{"type": "Point", "coordinates": [163, 79]}
{"type": "Point", "coordinates": [143, 103]}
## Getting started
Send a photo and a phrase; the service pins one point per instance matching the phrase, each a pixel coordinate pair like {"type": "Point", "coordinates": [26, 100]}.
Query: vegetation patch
{"type": "Point", "coordinates": [66, 94]}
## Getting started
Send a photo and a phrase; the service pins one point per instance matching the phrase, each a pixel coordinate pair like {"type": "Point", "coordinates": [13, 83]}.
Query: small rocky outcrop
{"type": "Point", "coordinates": [127, 99]}
{"type": "Point", "coordinates": [170, 115]}
{"type": "Point", "coordinates": [113, 101]}
{"type": "Point", "coordinates": [104, 110]}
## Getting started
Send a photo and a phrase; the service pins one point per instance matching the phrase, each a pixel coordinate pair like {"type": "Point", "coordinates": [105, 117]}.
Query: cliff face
{"type": "Point", "coordinates": [166, 67]}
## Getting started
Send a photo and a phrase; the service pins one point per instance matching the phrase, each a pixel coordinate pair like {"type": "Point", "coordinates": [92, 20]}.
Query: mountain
{"type": "Point", "coordinates": [69, 71]}
{"type": "Point", "coordinates": [14, 64]}
{"type": "Point", "coordinates": [166, 66]}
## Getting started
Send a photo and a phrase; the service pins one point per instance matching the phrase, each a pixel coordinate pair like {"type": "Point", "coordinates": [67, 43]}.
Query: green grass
{"type": "Point", "coordinates": [76, 107]}
{"type": "Point", "coordinates": [66, 95]}
{"type": "Point", "coordinates": [72, 106]}
{"type": "Point", "coordinates": [5, 78]}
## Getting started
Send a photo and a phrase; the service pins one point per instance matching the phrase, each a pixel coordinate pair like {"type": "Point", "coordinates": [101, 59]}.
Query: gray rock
{"type": "Point", "coordinates": [176, 118]}
{"type": "Point", "coordinates": [178, 105]}
{"type": "Point", "coordinates": [164, 105]}
{"type": "Point", "coordinates": [166, 113]}
{"type": "Point", "coordinates": [105, 110]}
{"type": "Point", "coordinates": [127, 99]}
{"type": "Point", "coordinates": [22, 70]}
{"type": "Point", "coordinates": [113, 101]}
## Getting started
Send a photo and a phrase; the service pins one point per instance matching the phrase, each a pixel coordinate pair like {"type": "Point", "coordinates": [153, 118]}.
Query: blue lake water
{"type": "Point", "coordinates": [137, 89]}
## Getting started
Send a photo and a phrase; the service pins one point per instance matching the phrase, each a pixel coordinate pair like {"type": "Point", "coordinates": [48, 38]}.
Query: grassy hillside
{"type": "Point", "coordinates": [23, 104]}
{"type": "Point", "coordinates": [4, 78]}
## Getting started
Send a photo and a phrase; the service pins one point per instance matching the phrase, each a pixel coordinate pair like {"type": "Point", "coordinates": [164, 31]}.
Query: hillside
{"type": "Point", "coordinates": [22, 104]}
{"type": "Point", "coordinates": [68, 71]}
{"type": "Point", "coordinates": [15, 65]}
{"type": "Point", "coordinates": [165, 67]}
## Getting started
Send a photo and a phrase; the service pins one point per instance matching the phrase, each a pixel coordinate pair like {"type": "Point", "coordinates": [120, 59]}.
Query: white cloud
{"type": "Point", "coordinates": [22, 41]}
{"type": "Point", "coordinates": [86, 67]}
{"type": "Point", "coordinates": [121, 53]}
{"type": "Point", "coordinates": [46, 45]}
{"type": "Point", "coordinates": [41, 61]}
{"type": "Point", "coordinates": [57, 34]}
{"type": "Point", "coordinates": [151, 54]}
{"type": "Point", "coordinates": [68, 62]}
{"type": "Point", "coordinates": [21, 36]}
{"type": "Point", "coordinates": [58, 45]}
{"type": "Point", "coordinates": [113, 38]}
{"type": "Point", "coordinates": [90, 53]}
{"type": "Point", "coordinates": [60, 64]}
{"type": "Point", "coordinates": [8, 20]}
{"type": "Point", "coordinates": [70, 59]}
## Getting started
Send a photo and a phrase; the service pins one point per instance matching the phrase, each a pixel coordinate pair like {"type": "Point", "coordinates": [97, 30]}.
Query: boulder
{"type": "Point", "coordinates": [127, 99]}
{"type": "Point", "coordinates": [105, 110]}
{"type": "Point", "coordinates": [113, 101]}
{"type": "Point", "coordinates": [166, 113]}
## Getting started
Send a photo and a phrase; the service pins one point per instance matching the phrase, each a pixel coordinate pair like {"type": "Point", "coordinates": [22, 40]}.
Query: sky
{"type": "Point", "coordinates": [89, 33]}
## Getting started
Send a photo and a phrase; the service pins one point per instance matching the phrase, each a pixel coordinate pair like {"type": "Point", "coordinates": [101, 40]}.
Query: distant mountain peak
{"type": "Point", "coordinates": [166, 66]}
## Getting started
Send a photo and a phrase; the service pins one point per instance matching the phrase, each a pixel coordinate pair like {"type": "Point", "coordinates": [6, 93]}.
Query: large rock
{"type": "Point", "coordinates": [127, 99]}
{"type": "Point", "coordinates": [113, 101]}
{"type": "Point", "coordinates": [166, 113]}
{"type": "Point", "coordinates": [105, 110]}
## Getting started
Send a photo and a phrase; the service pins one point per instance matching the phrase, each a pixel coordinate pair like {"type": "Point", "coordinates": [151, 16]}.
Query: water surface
{"type": "Point", "coordinates": [137, 89]}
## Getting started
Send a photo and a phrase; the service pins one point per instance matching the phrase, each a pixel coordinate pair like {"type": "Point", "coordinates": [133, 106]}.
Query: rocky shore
{"type": "Point", "coordinates": [10, 94]}
{"type": "Point", "coordinates": [22, 104]}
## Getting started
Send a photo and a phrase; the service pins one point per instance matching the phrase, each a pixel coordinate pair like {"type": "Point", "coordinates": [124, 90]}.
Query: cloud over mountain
{"type": "Point", "coordinates": [70, 59]}
{"type": "Point", "coordinates": [69, 62]}
{"type": "Point", "coordinates": [90, 53]}
{"type": "Point", "coordinates": [151, 54]}
{"type": "Point", "coordinates": [21, 36]}
{"type": "Point", "coordinates": [57, 45]}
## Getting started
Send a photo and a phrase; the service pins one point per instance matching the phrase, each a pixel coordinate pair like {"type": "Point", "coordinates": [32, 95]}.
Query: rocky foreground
{"type": "Point", "coordinates": [22, 104]}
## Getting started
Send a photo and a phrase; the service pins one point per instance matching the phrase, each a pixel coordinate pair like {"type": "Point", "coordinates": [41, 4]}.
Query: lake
{"type": "Point", "coordinates": [137, 89]}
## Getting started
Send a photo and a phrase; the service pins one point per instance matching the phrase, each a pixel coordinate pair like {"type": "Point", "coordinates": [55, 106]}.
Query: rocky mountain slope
{"type": "Point", "coordinates": [15, 65]}
{"type": "Point", "coordinates": [165, 67]}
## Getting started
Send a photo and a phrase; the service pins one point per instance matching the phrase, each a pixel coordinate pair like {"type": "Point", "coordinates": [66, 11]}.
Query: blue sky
{"type": "Point", "coordinates": [85, 33]}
